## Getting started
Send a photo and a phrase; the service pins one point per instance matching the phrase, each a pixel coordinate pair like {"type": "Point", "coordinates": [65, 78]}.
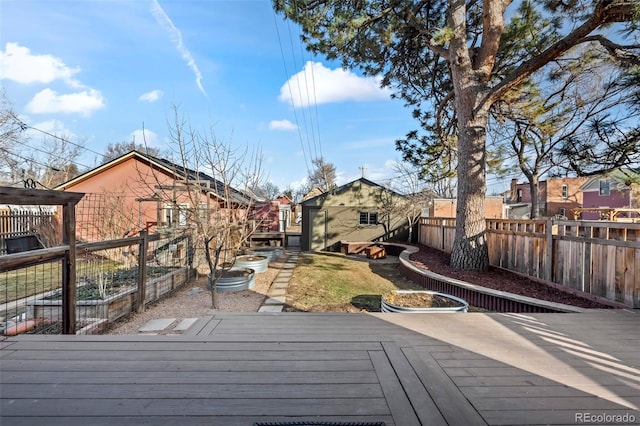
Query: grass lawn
{"type": "Point", "coordinates": [332, 282]}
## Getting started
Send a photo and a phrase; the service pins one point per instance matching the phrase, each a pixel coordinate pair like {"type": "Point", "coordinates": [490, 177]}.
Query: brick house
{"type": "Point", "coordinates": [557, 197]}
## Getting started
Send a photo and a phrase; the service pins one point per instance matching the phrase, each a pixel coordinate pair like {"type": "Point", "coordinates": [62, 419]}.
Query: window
{"type": "Point", "coordinates": [168, 214]}
{"type": "Point", "coordinates": [368, 218]}
{"type": "Point", "coordinates": [183, 213]}
{"type": "Point", "coordinates": [203, 211]}
{"type": "Point", "coordinates": [563, 212]}
{"type": "Point", "coordinates": [604, 187]}
{"type": "Point", "coordinates": [565, 192]}
{"type": "Point", "coordinates": [175, 214]}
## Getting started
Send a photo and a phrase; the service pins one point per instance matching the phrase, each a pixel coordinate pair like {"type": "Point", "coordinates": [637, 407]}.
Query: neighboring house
{"type": "Point", "coordinates": [274, 216]}
{"type": "Point", "coordinates": [313, 192]}
{"type": "Point", "coordinates": [361, 210]}
{"type": "Point", "coordinates": [137, 192]}
{"type": "Point", "coordinates": [446, 207]}
{"type": "Point", "coordinates": [557, 197]}
{"type": "Point", "coordinates": [616, 189]}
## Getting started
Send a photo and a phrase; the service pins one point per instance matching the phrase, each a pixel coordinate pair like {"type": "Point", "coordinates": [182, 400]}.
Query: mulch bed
{"type": "Point", "coordinates": [498, 279]}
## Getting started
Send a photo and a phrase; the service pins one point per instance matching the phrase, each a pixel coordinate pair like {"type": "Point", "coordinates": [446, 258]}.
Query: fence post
{"type": "Point", "coordinates": [69, 269]}
{"type": "Point", "coordinates": [548, 267]}
{"type": "Point", "coordinates": [142, 271]}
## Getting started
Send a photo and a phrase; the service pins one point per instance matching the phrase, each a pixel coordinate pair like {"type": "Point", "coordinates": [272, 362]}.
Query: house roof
{"type": "Point", "coordinates": [208, 183]}
{"type": "Point", "coordinates": [348, 185]}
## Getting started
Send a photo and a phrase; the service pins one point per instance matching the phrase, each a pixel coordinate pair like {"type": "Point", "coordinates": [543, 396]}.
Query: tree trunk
{"type": "Point", "coordinates": [533, 189]}
{"type": "Point", "coordinates": [470, 88]}
{"type": "Point", "coordinates": [470, 245]}
{"type": "Point", "coordinates": [214, 298]}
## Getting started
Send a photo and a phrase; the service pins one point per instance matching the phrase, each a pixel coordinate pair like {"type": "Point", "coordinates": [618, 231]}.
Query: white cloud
{"type": "Point", "coordinates": [176, 37]}
{"type": "Point", "coordinates": [55, 127]}
{"type": "Point", "coordinates": [18, 64]}
{"type": "Point", "coordinates": [316, 84]}
{"type": "Point", "coordinates": [83, 103]}
{"type": "Point", "coordinates": [145, 137]}
{"type": "Point", "coordinates": [152, 96]}
{"type": "Point", "coordinates": [282, 125]}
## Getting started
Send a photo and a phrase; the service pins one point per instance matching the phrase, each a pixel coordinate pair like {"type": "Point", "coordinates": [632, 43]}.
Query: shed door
{"type": "Point", "coordinates": [318, 234]}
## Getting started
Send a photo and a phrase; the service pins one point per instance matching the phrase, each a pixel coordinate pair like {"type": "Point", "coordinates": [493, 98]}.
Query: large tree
{"type": "Point", "coordinates": [323, 174]}
{"type": "Point", "coordinates": [452, 60]}
{"type": "Point", "coordinates": [11, 132]}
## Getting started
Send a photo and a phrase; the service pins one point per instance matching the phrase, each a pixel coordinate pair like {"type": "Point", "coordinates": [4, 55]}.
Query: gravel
{"type": "Point", "coordinates": [193, 300]}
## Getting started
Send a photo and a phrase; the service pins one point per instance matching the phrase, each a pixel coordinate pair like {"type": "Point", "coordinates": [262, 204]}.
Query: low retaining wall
{"type": "Point", "coordinates": [481, 297]}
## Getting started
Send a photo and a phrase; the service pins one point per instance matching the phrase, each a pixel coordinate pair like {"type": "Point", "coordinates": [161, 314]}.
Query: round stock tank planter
{"type": "Point", "coordinates": [257, 263]}
{"type": "Point", "coordinates": [233, 280]}
{"type": "Point", "coordinates": [272, 253]}
{"type": "Point", "coordinates": [421, 301]}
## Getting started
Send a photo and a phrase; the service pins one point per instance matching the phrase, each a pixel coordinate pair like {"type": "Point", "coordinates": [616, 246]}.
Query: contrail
{"type": "Point", "coordinates": [176, 36]}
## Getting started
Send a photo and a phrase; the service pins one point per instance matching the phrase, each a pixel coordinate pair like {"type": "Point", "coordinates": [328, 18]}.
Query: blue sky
{"type": "Point", "coordinates": [100, 71]}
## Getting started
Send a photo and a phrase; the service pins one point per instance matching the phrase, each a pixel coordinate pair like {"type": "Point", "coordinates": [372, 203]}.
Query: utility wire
{"type": "Point", "coordinates": [295, 114]}
{"type": "Point", "coordinates": [25, 126]}
{"type": "Point", "coordinates": [58, 157]}
{"type": "Point", "coordinates": [299, 84]}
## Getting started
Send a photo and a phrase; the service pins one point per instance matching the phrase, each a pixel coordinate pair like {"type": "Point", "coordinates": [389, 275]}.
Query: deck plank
{"type": "Point", "coordinates": [189, 377]}
{"type": "Point", "coordinates": [423, 405]}
{"type": "Point", "coordinates": [193, 391]}
{"type": "Point", "coordinates": [198, 407]}
{"type": "Point", "coordinates": [398, 404]}
{"type": "Point", "coordinates": [453, 404]}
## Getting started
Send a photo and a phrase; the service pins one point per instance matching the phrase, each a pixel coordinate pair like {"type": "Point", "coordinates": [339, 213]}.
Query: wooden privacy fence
{"type": "Point", "coordinates": [23, 223]}
{"type": "Point", "coordinates": [597, 257]}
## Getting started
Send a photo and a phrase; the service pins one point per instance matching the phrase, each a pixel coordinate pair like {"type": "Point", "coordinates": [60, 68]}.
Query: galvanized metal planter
{"type": "Point", "coordinates": [233, 280]}
{"type": "Point", "coordinates": [386, 306]}
{"type": "Point", "coordinates": [257, 263]}
{"type": "Point", "coordinates": [272, 253]}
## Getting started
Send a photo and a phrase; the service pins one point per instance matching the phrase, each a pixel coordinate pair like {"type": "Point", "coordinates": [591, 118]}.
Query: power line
{"type": "Point", "coordinates": [306, 161]}
{"type": "Point", "coordinates": [304, 71]}
{"type": "Point", "coordinates": [25, 126]}
{"type": "Point", "coordinates": [54, 155]}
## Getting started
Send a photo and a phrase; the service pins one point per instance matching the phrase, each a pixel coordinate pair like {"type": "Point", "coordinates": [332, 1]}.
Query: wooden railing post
{"type": "Point", "coordinates": [69, 269]}
{"type": "Point", "coordinates": [141, 295]}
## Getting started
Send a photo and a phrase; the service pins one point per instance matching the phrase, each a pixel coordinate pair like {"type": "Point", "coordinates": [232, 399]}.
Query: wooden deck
{"type": "Point", "coordinates": [403, 369]}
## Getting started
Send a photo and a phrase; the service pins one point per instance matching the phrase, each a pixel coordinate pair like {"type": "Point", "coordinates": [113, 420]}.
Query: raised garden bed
{"type": "Point", "coordinates": [119, 302]}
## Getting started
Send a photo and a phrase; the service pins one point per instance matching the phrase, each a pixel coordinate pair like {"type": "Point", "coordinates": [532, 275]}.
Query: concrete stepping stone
{"type": "Point", "coordinates": [157, 324]}
{"type": "Point", "coordinates": [270, 308]}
